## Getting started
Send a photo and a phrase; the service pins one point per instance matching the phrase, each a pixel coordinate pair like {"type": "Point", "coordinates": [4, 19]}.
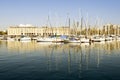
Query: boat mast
{"type": "Point", "coordinates": [68, 24]}
{"type": "Point", "coordinates": [48, 22]}
{"type": "Point", "coordinates": [87, 25]}
{"type": "Point", "coordinates": [81, 21]}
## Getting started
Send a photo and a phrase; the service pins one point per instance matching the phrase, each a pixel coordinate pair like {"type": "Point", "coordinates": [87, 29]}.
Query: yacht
{"type": "Point", "coordinates": [25, 38]}
{"type": "Point", "coordinates": [58, 39]}
{"type": "Point", "coordinates": [10, 39]}
{"type": "Point", "coordinates": [45, 39]}
{"type": "Point", "coordinates": [108, 38]}
{"type": "Point", "coordinates": [49, 39]}
{"type": "Point", "coordinates": [84, 40]}
{"type": "Point", "coordinates": [97, 39]}
{"type": "Point", "coordinates": [72, 40]}
{"type": "Point", "coordinates": [118, 38]}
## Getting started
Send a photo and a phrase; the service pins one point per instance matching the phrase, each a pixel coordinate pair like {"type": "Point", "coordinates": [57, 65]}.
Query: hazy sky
{"type": "Point", "coordinates": [15, 12]}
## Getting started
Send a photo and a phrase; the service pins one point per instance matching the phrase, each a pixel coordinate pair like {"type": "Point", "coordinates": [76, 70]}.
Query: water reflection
{"type": "Point", "coordinates": [27, 46]}
{"type": "Point", "coordinates": [78, 60]}
{"type": "Point", "coordinates": [72, 51]}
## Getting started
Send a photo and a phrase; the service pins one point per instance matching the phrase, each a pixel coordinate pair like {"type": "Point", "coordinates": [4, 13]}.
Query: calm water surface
{"type": "Point", "coordinates": [48, 61]}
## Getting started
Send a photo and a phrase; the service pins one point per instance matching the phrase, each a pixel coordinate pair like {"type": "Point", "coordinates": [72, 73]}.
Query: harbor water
{"type": "Point", "coordinates": [59, 61]}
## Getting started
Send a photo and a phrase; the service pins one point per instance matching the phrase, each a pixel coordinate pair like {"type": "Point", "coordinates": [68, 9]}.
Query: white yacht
{"type": "Point", "coordinates": [108, 38]}
{"type": "Point", "coordinates": [84, 40]}
{"type": "Point", "coordinates": [10, 39]}
{"type": "Point", "coordinates": [49, 39]}
{"type": "Point", "coordinates": [57, 39]}
{"type": "Point", "coordinates": [45, 39]}
{"type": "Point", "coordinates": [97, 39]}
{"type": "Point", "coordinates": [118, 38]}
{"type": "Point", "coordinates": [72, 40]}
{"type": "Point", "coordinates": [25, 38]}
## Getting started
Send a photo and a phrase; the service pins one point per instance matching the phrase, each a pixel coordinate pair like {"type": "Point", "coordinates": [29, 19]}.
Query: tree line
{"type": "Point", "coordinates": [3, 33]}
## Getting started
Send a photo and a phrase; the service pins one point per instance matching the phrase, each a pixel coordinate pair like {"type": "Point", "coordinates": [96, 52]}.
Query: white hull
{"type": "Point", "coordinates": [44, 40]}
{"type": "Point", "coordinates": [10, 39]}
{"type": "Point", "coordinates": [72, 41]}
{"type": "Point", "coordinates": [98, 39]}
{"type": "Point", "coordinates": [109, 39]}
{"type": "Point", "coordinates": [84, 40]}
{"type": "Point", "coordinates": [75, 41]}
{"type": "Point", "coordinates": [49, 40]}
{"type": "Point", "coordinates": [118, 39]}
{"type": "Point", "coordinates": [57, 40]}
{"type": "Point", "coordinates": [25, 39]}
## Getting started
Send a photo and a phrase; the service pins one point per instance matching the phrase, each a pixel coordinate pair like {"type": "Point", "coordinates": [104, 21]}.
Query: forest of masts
{"type": "Point", "coordinates": [83, 28]}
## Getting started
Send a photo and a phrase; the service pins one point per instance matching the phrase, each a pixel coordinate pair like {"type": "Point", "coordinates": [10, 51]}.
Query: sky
{"type": "Point", "coordinates": [36, 12]}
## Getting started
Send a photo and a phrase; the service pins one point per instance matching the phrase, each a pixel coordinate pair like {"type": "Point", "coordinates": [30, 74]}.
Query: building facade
{"type": "Point", "coordinates": [112, 29]}
{"type": "Point", "coordinates": [29, 30]}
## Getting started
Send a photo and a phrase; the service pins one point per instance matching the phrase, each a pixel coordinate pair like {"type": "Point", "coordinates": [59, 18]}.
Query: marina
{"type": "Point", "coordinates": [67, 39]}
{"type": "Point", "coordinates": [59, 40]}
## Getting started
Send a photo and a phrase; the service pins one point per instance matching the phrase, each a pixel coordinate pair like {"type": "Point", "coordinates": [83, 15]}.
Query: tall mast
{"type": "Point", "coordinates": [48, 22]}
{"type": "Point", "coordinates": [87, 24]}
{"type": "Point", "coordinates": [69, 22]}
{"type": "Point", "coordinates": [81, 21]}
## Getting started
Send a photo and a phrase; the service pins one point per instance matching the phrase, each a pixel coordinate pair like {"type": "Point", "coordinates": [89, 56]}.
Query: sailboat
{"type": "Point", "coordinates": [50, 38]}
{"type": "Point", "coordinates": [84, 38]}
{"type": "Point", "coordinates": [45, 38]}
{"type": "Point", "coordinates": [98, 37]}
{"type": "Point", "coordinates": [73, 38]}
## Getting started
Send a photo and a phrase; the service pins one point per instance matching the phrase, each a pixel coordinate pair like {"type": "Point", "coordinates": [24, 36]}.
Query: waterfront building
{"type": "Point", "coordinates": [112, 29]}
{"type": "Point", "coordinates": [29, 30]}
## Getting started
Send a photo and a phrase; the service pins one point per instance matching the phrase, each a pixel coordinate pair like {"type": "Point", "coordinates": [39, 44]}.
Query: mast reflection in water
{"type": "Point", "coordinates": [50, 61]}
